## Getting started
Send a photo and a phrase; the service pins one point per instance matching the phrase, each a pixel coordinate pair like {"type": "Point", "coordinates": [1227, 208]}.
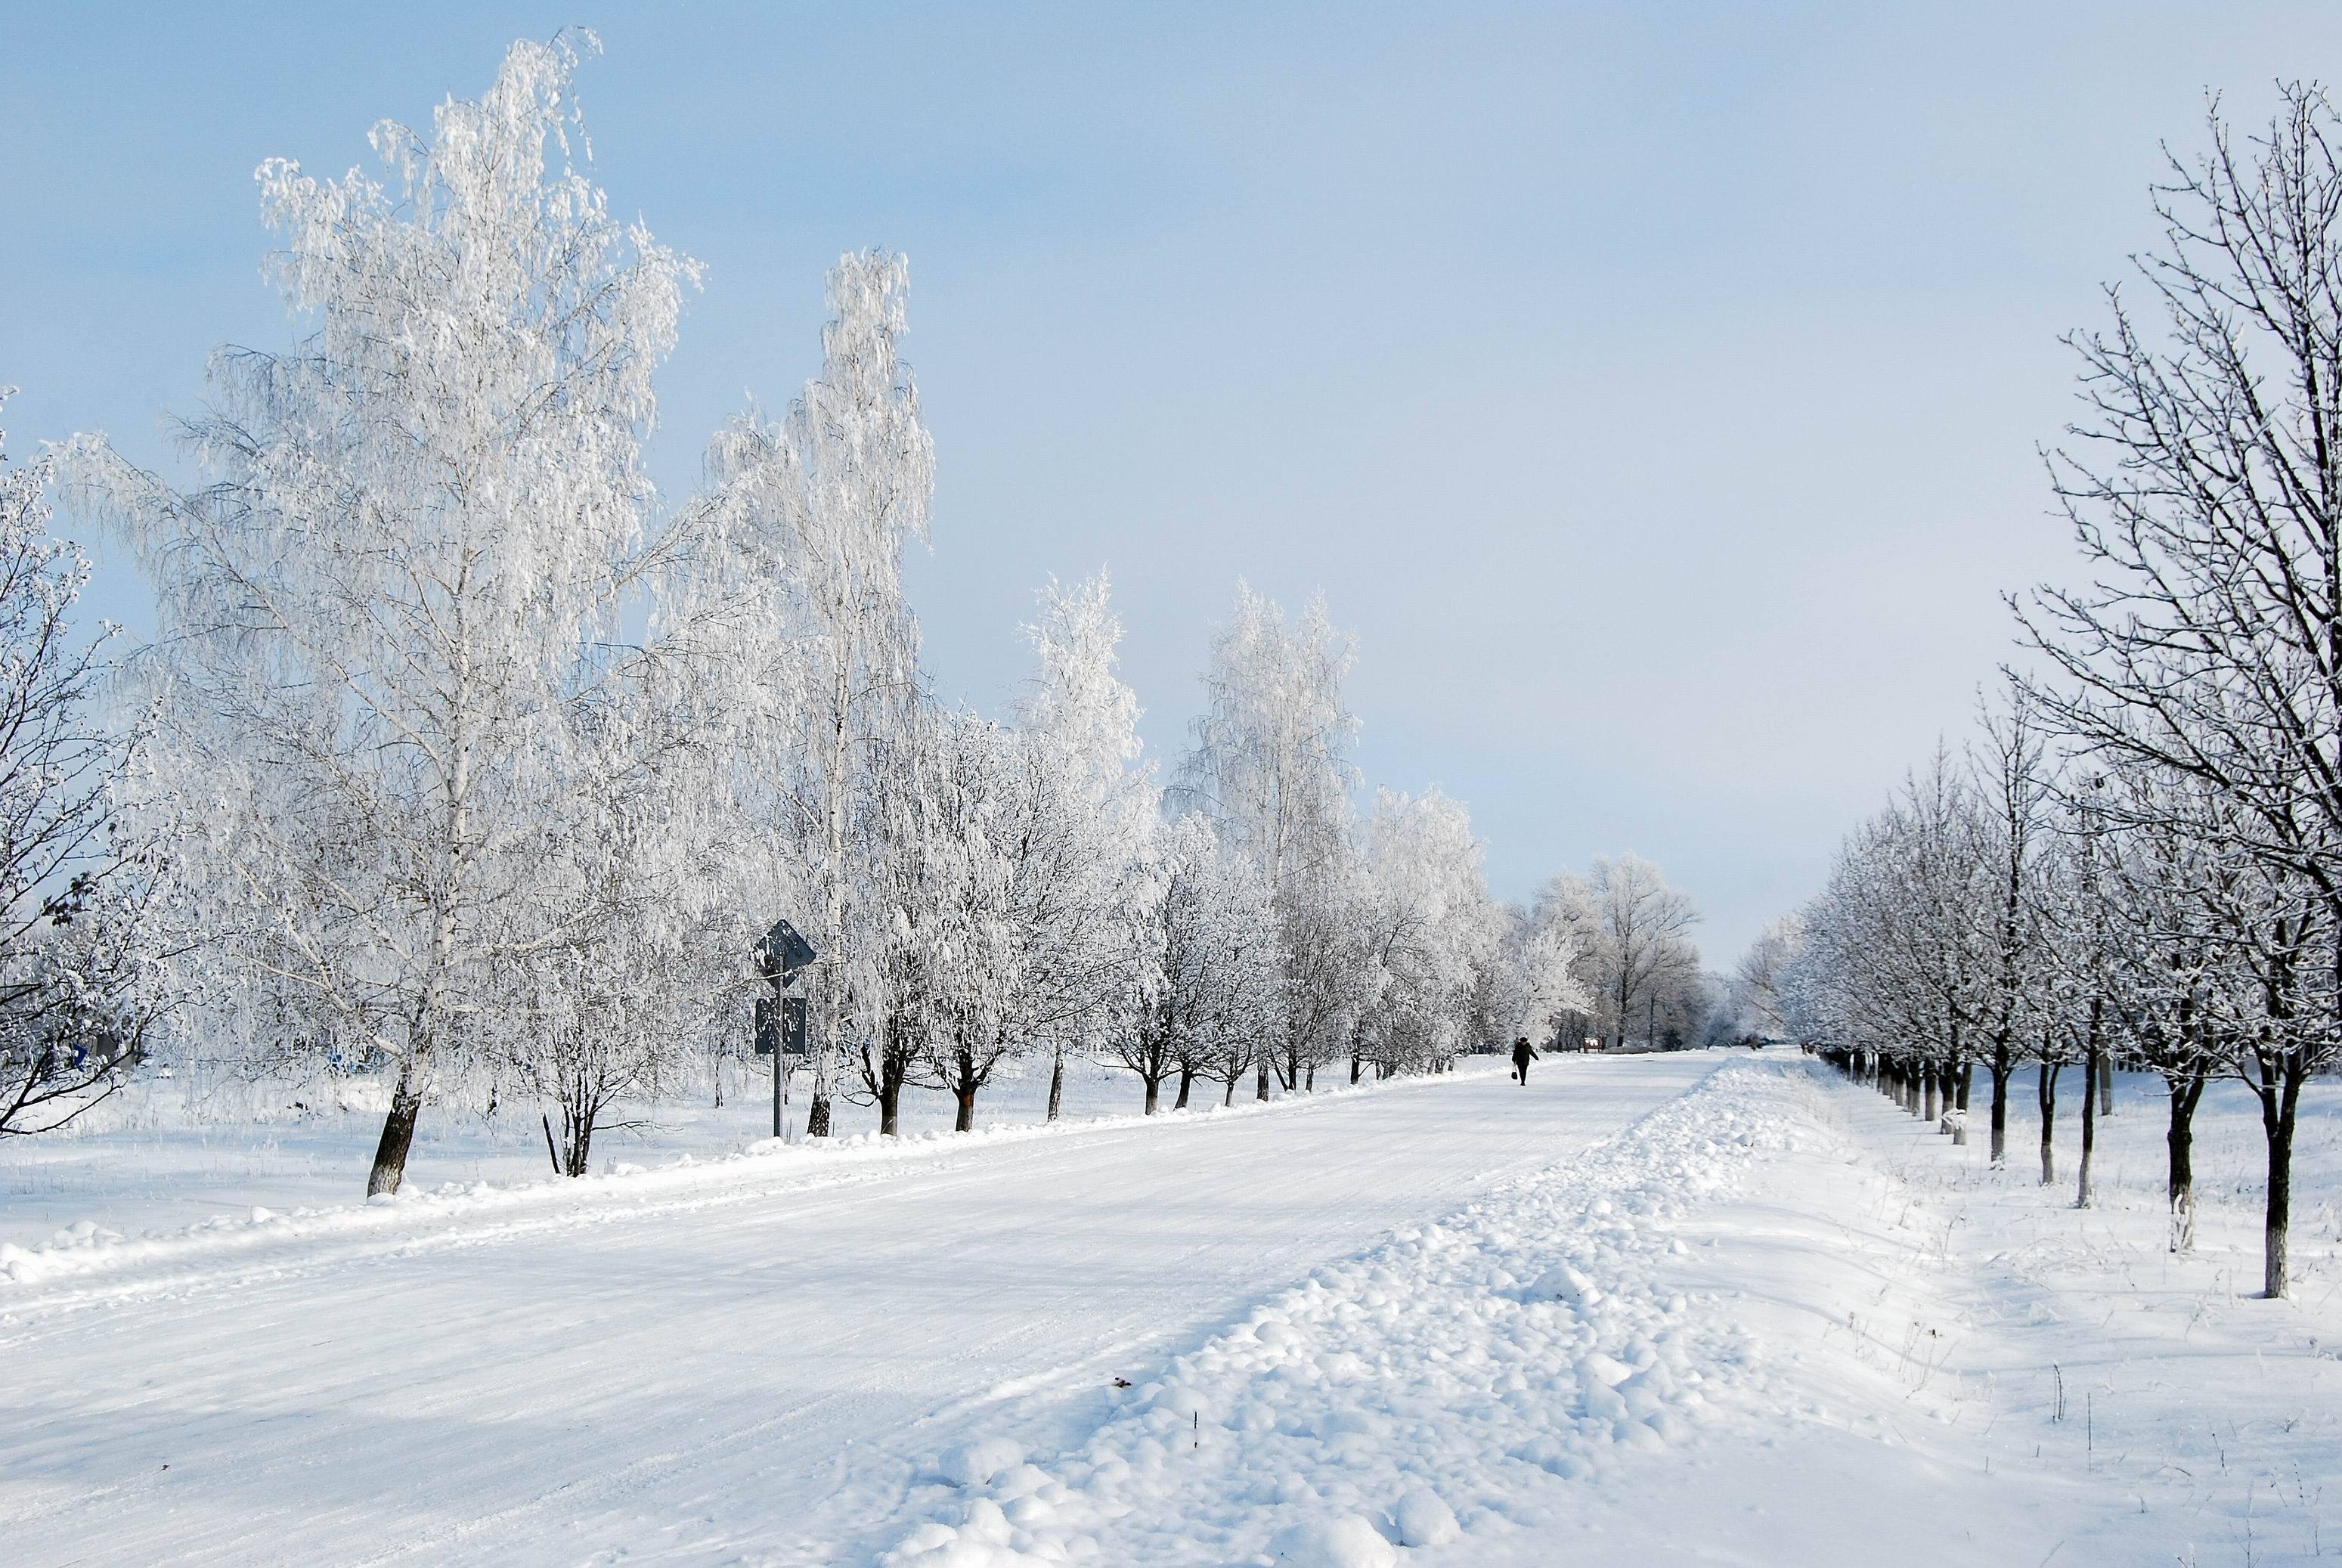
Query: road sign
{"type": "Point", "coordinates": [781, 1024]}
{"type": "Point", "coordinates": [783, 952]}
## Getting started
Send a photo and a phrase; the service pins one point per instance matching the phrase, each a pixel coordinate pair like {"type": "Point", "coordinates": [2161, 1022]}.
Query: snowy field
{"type": "Point", "coordinates": [1691, 1309]}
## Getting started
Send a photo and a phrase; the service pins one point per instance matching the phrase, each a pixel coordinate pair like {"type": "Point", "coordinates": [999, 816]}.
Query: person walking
{"type": "Point", "coordinates": [1523, 1053]}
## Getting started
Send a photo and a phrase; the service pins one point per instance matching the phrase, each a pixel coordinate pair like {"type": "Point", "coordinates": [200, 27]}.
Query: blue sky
{"type": "Point", "coordinates": [1656, 390]}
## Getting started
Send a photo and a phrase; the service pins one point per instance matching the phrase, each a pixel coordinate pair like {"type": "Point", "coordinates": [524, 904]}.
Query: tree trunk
{"type": "Point", "coordinates": [397, 1138]}
{"type": "Point", "coordinates": [890, 1100]}
{"type": "Point", "coordinates": [2003, 1068]}
{"type": "Point", "coordinates": [1186, 1082]}
{"type": "Point", "coordinates": [965, 1121]}
{"type": "Point", "coordinates": [1056, 1083]}
{"type": "Point", "coordinates": [817, 1116]}
{"type": "Point", "coordinates": [2179, 1140]}
{"type": "Point", "coordinates": [1311, 1084]}
{"type": "Point", "coordinates": [2106, 1083]}
{"type": "Point", "coordinates": [2279, 1101]}
{"type": "Point", "coordinates": [1357, 1064]}
{"type": "Point", "coordinates": [1229, 1097]}
{"type": "Point", "coordinates": [579, 1126]}
{"type": "Point", "coordinates": [2048, 1097]}
{"type": "Point", "coordinates": [1260, 1069]}
{"type": "Point", "coordinates": [1928, 1072]}
{"type": "Point", "coordinates": [1154, 1082]}
{"type": "Point", "coordinates": [2089, 1109]}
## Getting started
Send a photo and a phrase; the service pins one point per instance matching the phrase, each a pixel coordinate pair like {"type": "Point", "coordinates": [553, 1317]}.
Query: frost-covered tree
{"type": "Point", "coordinates": [1089, 813]}
{"type": "Point", "coordinates": [1565, 906]}
{"type": "Point", "coordinates": [1760, 984]}
{"type": "Point", "coordinates": [1204, 962]}
{"type": "Point", "coordinates": [424, 528]}
{"type": "Point", "coordinates": [1271, 766]}
{"type": "Point", "coordinates": [1897, 965]}
{"type": "Point", "coordinates": [651, 968]}
{"type": "Point", "coordinates": [814, 511]}
{"type": "Point", "coordinates": [80, 987]}
{"type": "Point", "coordinates": [1500, 1003]}
{"type": "Point", "coordinates": [1430, 928]}
{"type": "Point", "coordinates": [971, 917]}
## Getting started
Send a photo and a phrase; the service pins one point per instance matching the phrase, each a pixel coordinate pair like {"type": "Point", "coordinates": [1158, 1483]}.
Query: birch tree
{"type": "Point", "coordinates": [423, 530]}
{"type": "Point", "coordinates": [1204, 963]}
{"type": "Point", "coordinates": [1271, 766]}
{"type": "Point", "coordinates": [1431, 928]}
{"type": "Point", "coordinates": [825, 501]}
{"type": "Point", "coordinates": [1089, 813]}
{"type": "Point", "coordinates": [651, 966]}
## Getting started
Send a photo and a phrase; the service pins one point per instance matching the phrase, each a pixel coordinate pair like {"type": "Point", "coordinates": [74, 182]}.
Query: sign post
{"type": "Point", "coordinates": [781, 1017]}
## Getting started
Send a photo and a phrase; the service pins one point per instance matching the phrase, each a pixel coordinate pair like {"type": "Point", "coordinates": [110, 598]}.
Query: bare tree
{"type": "Point", "coordinates": [2205, 490]}
{"type": "Point", "coordinates": [2011, 798]}
{"type": "Point", "coordinates": [1643, 949]}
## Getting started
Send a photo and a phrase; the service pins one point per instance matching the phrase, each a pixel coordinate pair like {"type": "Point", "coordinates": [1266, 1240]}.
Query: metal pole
{"type": "Point", "coordinates": [780, 1017]}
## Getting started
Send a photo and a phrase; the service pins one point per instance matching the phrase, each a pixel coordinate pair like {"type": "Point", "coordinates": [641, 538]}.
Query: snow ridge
{"type": "Point", "coordinates": [1444, 1389]}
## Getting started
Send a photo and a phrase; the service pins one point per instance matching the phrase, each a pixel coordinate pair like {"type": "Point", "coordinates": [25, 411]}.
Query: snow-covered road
{"type": "Point", "coordinates": [745, 1368]}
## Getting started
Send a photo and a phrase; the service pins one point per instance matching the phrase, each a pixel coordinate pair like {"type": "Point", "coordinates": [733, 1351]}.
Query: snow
{"type": "Point", "coordinates": [189, 1151]}
{"type": "Point", "coordinates": [1707, 1309]}
{"type": "Point", "coordinates": [1460, 1371]}
{"type": "Point", "coordinates": [742, 1360]}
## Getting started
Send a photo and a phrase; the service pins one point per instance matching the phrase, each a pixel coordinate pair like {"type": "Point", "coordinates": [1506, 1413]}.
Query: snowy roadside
{"type": "Point", "coordinates": [756, 1168]}
{"type": "Point", "coordinates": [1459, 1389]}
{"type": "Point", "coordinates": [2160, 1410]}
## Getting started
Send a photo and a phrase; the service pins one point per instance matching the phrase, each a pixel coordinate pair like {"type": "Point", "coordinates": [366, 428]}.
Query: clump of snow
{"type": "Point", "coordinates": [1345, 1541]}
{"type": "Point", "coordinates": [1424, 1519]}
{"type": "Point", "coordinates": [979, 1463]}
{"type": "Point", "coordinates": [1563, 1283]}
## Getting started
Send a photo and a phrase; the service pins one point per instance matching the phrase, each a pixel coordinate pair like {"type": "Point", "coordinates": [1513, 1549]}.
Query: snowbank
{"type": "Point", "coordinates": [1442, 1392]}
